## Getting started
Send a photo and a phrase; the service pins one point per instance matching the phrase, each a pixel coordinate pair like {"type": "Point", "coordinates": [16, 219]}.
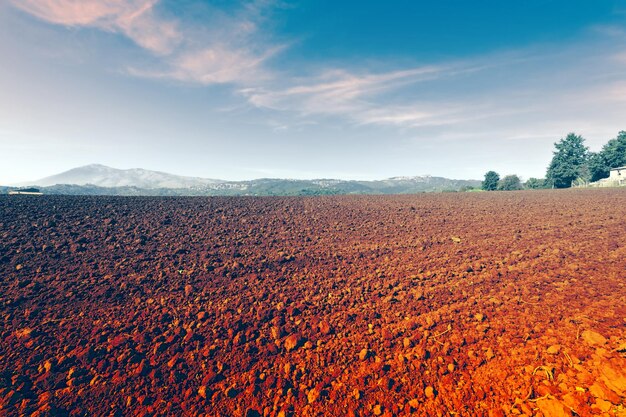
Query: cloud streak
{"type": "Point", "coordinates": [219, 63]}
{"type": "Point", "coordinates": [228, 53]}
{"type": "Point", "coordinates": [135, 19]}
{"type": "Point", "coordinates": [371, 98]}
{"type": "Point", "coordinates": [345, 94]}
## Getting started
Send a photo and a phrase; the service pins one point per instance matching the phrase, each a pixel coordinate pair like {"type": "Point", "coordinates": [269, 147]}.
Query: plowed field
{"type": "Point", "coordinates": [504, 303]}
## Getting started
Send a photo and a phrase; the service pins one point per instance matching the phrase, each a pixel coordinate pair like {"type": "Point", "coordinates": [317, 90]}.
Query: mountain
{"type": "Point", "coordinates": [103, 176]}
{"type": "Point", "coordinates": [424, 183]}
{"type": "Point", "coordinates": [103, 180]}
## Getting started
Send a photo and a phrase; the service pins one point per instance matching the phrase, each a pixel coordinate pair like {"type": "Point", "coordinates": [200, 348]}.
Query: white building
{"type": "Point", "coordinates": [26, 191]}
{"type": "Point", "coordinates": [617, 178]}
{"type": "Point", "coordinates": [618, 174]}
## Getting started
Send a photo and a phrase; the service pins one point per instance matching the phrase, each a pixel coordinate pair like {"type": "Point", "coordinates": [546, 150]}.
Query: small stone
{"type": "Point", "coordinates": [325, 328]}
{"type": "Point", "coordinates": [570, 400]}
{"type": "Point", "coordinates": [240, 339]}
{"type": "Point", "coordinates": [386, 334]}
{"type": "Point", "coordinates": [143, 368]}
{"type": "Point", "coordinates": [45, 397]}
{"type": "Point", "coordinates": [429, 392]}
{"type": "Point", "coordinates": [450, 367]}
{"type": "Point", "coordinates": [313, 395]}
{"type": "Point", "coordinates": [613, 375]}
{"type": "Point", "coordinates": [489, 354]}
{"type": "Point", "coordinates": [356, 394]}
{"type": "Point", "coordinates": [406, 342]}
{"type": "Point", "coordinates": [593, 338]}
{"type": "Point", "coordinates": [551, 407]}
{"type": "Point", "coordinates": [414, 403]}
{"type": "Point", "coordinates": [18, 267]}
{"type": "Point", "coordinates": [554, 349]}
{"type": "Point", "coordinates": [602, 405]}
{"type": "Point", "coordinates": [276, 332]}
{"type": "Point", "coordinates": [496, 301]}
{"type": "Point", "coordinates": [377, 410]}
{"type": "Point", "coordinates": [364, 354]}
{"type": "Point", "coordinates": [292, 342]}
{"type": "Point", "coordinates": [596, 391]}
{"type": "Point", "coordinates": [188, 290]}
{"type": "Point", "coordinates": [172, 362]}
{"type": "Point", "coordinates": [479, 316]}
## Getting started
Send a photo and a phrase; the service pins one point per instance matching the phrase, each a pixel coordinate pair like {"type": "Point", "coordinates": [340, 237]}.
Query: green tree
{"type": "Point", "coordinates": [535, 183]}
{"type": "Point", "coordinates": [612, 155]}
{"type": "Point", "coordinates": [490, 182]}
{"type": "Point", "coordinates": [569, 161]}
{"type": "Point", "coordinates": [597, 166]}
{"type": "Point", "coordinates": [510, 183]}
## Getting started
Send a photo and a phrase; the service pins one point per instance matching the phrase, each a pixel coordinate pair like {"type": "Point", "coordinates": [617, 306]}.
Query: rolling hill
{"type": "Point", "coordinates": [98, 179]}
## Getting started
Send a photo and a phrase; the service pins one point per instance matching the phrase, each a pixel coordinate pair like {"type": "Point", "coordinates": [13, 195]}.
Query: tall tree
{"type": "Point", "coordinates": [612, 155]}
{"type": "Point", "coordinates": [535, 183]}
{"type": "Point", "coordinates": [510, 183]}
{"type": "Point", "coordinates": [598, 167]}
{"type": "Point", "coordinates": [569, 161]}
{"type": "Point", "coordinates": [490, 182]}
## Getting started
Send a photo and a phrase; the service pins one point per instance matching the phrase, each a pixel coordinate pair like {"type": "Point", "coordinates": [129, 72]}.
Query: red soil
{"type": "Point", "coordinates": [452, 304]}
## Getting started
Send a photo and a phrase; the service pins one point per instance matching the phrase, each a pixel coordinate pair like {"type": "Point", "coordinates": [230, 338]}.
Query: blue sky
{"type": "Point", "coordinates": [306, 89]}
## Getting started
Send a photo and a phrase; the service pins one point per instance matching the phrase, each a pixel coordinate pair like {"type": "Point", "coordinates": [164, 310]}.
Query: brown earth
{"type": "Point", "coordinates": [453, 304]}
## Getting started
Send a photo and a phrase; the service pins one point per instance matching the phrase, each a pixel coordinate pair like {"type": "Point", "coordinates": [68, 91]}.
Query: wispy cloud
{"type": "Point", "coordinates": [336, 87]}
{"type": "Point", "coordinates": [227, 52]}
{"type": "Point", "coordinates": [82, 12]}
{"type": "Point", "coordinates": [372, 98]}
{"type": "Point", "coordinates": [219, 63]}
{"type": "Point", "coordinates": [135, 19]}
{"type": "Point", "coordinates": [343, 93]}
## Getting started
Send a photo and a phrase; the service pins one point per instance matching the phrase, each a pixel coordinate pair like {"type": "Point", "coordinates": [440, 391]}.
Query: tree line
{"type": "Point", "coordinates": [572, 164]}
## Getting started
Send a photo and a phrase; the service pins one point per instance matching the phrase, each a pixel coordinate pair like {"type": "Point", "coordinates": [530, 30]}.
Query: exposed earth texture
{"type": "Point", "coordinates": [454, 304]}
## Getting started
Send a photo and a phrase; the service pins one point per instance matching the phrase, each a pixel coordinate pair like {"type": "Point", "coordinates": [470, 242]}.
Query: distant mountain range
{"type": "Point", "coordinates": [102, 180]}
{"type": "Point", "coordinates": [104, 176]}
